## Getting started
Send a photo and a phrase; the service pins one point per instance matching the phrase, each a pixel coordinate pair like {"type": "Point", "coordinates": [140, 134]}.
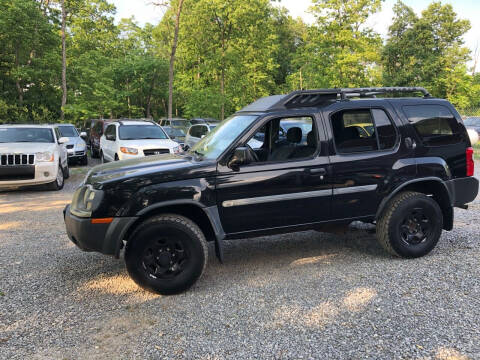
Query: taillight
{"type": "Point", "coordinates": [470, 162]}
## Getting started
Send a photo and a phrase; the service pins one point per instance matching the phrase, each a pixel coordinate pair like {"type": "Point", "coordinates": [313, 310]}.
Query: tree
{"type": "Point", "coordinates": [428, 51]}
{"type": "Point", "coordinates": [174, 7]}
{"type": "Point", "coordinates": [339, 50]}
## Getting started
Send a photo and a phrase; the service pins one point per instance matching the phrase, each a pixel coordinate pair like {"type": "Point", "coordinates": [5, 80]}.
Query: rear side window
{"type": "Point", "coordinates": [363, 130]}
{"type": "Point", "coordinates": [434, 124]}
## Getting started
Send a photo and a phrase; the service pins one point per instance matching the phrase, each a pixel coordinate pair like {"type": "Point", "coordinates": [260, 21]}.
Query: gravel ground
{"type": "Point", "coordinates": [304, 295]}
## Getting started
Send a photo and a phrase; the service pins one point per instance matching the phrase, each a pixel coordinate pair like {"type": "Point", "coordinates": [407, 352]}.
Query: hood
{"type": "Point", "coordinates": [77, 140]}
{"type": "Point", "coordinates": [149, 143]}
{"type": "Point", "coordinates": [26, 148]}
{"type": "Point", "coordinates": [144, 171]}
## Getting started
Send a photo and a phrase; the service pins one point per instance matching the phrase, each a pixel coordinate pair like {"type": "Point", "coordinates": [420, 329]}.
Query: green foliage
{"type": "Point", "coordinates": [428, 51]}
{"type": "Point", "coordinates": [229, 54]}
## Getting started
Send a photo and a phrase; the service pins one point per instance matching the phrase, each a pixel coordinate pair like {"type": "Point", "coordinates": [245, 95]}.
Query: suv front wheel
{"type": "Point", "coordinates": [166, 254]}
{"type": "Point", "coordinates": [410, 225]}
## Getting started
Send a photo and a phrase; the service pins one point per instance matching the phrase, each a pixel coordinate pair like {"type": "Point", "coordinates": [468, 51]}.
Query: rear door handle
{"type": "Point", "coordinates": [319, 171]}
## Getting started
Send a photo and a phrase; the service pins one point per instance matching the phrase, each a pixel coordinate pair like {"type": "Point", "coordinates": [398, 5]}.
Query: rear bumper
{"type": "Point", "coordinates": [103, 238]}
{"type": "Point", "coordinates": [463, 190]}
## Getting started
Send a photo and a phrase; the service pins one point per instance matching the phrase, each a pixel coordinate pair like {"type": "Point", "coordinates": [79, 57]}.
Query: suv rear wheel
{"type": "Point", "coordinates": [166, 254]}
{"type": "Point", "coordinates": [410, 225]}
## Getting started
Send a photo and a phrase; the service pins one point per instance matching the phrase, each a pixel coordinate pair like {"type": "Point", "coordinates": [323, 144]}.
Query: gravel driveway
{"type": "Point", "coordinates": [304, 295]}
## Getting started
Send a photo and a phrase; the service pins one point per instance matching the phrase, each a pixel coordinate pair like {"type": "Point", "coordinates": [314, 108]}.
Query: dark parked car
{"type": "Point", "coordinates": [97, 129]}
{"type": "Point", "coordinates": [406, 177]}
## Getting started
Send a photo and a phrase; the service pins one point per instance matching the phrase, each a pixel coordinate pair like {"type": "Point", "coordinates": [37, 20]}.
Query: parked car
{"type": "Point", "coordinates": [32, 155]}
{"type": "Point", "coordinates": [406, 178]}
{"type": "Point", "coordinates": [97, 129]}
{"type": "Point", "coordinates": [76, 146]}
{"type": "Point", "coordinates": [178, 123]}
{"type": "Point", "coordinates": [195, 121]}
{"type": "Point", "coordinates": [197, 132]}
{"type": "Point", "coordinates": [473, 128]}
{"type": "Point", "coordinates": [127, 139]}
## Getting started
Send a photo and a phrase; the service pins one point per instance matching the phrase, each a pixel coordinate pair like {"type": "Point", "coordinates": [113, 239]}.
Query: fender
{"type": "Point", "coordinates": [212, 215]}
{"type": "Point", "coordinates": [386, 199]}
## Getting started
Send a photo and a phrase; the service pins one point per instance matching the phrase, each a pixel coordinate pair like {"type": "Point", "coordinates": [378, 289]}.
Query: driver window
{"type": "Point", "coordinates": [285, 139]}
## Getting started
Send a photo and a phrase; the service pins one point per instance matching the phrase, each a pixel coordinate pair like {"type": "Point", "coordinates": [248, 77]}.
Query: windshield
{"type": "Point", "coordinates": [472, 122]}
{"type": "Point", "coordinates": [68, 131]}
{"type": "Point", "coordinates": [138, 132]}
{"type": "Point", "coordinates": [31, 135]}
{"type": "Point", "coordinates": [218, 140]}
{"type": "Point", "coordinates": [175, 131]}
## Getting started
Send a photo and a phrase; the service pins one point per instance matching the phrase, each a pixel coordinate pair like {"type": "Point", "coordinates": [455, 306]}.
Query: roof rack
{"type": "Point", "coordinates": [307, 98]}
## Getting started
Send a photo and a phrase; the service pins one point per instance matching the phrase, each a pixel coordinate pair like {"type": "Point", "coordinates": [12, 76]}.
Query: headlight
{"type": "Point", "coordinates": [85, 200]}
{"type": "Point", "coordinates": [177, 149]}
{"type": "Point", "coordinates": [46, 156]}
{"type": "Point", "coordinates": [81, 147]}
{"type": "Point", "coordinates": [129, 151]}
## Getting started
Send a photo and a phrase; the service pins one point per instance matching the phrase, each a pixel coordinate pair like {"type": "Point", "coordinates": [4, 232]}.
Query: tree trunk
{"type": "Point", "coordinates": [172, 58]}
{"type": "Point", "coordinates": [64, 63]}
{"type": "Point", "coordinates": [17, 80]}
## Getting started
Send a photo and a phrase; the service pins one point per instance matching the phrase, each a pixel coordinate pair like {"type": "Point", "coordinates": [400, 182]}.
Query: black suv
{"type": "Point", "coordinates": [347, 155]}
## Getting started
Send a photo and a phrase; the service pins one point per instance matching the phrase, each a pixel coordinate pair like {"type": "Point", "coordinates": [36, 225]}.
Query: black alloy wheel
{"type": "Point", "coordinates": [166, 254]}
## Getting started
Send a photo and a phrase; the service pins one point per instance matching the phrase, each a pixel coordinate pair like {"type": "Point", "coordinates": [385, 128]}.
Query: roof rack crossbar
{"type": "Point", "coordinates": [305, 98]}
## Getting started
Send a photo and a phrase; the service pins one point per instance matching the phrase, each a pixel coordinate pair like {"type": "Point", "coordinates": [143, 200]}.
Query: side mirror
{"type": "Point", "coordinates": [83, 135]}
{"type": "Point", "coordinates": [172, 137]}
{"type": "Point", "coordinates": [63, 140]}
{"type": "Point", "coordinates": [240, 157]}
{"type": "Point", "coordinates": [110, 137]}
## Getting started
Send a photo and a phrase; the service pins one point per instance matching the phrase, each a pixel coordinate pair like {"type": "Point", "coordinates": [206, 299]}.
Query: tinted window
{"type": "Point", "coordinates": [110, 130]}
{"type": "Point", "coordinates": [363, 130]}
{"type": "Point", "coordinates": [435, 124]}
{"type": "Point", "coordinates": [350, 131]}
{"type": "Point", "coordinates": [68, 131]}
{"type": "Point", "coordinates": [385, 130]}
{"type": "Point", "coordinates": [134, 132]}
{"type": "Point", "coordinates": [31, 135]}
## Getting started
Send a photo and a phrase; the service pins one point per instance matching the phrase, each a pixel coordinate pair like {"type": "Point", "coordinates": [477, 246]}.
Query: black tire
{"type": "Point", "coordinates": [94, 153]}
{"type": "Point", "coordinates": [59, 181]}
{"type": "Point", "coordinates": [66, 172]}
{"type": "Point", "coordinates": [85, 160]}
{"type": "Point", "coordinates": [411, 225]}
{"type": "Point", "coordinates": [102, 158]}
{"type": "Point", "coordinates": [176, 240]}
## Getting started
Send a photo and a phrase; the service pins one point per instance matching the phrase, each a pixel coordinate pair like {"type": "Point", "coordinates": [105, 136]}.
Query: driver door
{"type": "Point", "coordinates": [275, 191]}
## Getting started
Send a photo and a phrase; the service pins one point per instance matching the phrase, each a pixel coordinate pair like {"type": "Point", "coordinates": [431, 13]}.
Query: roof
{"type": "Point", "coordinates": [321, 97]}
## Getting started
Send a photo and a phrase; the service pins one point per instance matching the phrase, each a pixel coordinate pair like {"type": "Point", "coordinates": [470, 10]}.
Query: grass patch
{"type": "Point", "coordinates": [2, 293]}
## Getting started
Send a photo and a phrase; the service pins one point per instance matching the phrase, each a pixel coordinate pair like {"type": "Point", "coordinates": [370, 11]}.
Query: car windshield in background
{"type": "Point", "coordinates": [30, 135]}
{"type": "Point", "coordinates": [218, 140]}
{"type": "Point", "coordinates": [474, 121]}
{"type": "Point", "coordinates": [68, 131]}
{"type": "Point", "coordinates": [175, 132]}
{"type": "Point", "coordinates": [181, 123]}
{"type": "Point", "coordinates": [138, 132]}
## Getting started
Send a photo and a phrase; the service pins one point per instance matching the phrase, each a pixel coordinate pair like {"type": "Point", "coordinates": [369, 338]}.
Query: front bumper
{"type": "Point", "coordinates": [76, 154]}
{"type": "Point", "coordinates": [463, 190]}
{"type": "Point", "coordinates": [44, 173]}
{"type": "Point", "coordinates": [104, 238]}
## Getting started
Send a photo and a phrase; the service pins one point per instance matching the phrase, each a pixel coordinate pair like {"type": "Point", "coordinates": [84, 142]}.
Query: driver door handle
{"type": "Point", "coordinates": [318, 171]}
